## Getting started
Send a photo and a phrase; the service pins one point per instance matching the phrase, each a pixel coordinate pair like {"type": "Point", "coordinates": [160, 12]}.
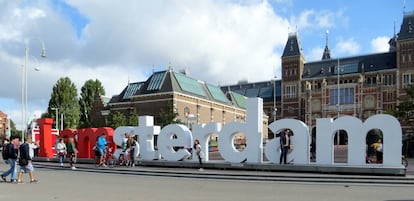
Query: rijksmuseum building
{"type": "Point", "coordinates": [360, 86]}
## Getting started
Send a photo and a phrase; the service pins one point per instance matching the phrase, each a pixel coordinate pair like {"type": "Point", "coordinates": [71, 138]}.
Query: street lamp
{"type": "Point", "coordinates": [105, 113]}
{"type": "Point", "coordinates": [274, 99]}
{"type": "Point", "coordinates": [338, 106]}
{"type": "Point", "coordinates": [24, 84]}
{"type": "Point", "coordinates": [309, 89]}
{"type": "Point", "coordinates": [56, 117]}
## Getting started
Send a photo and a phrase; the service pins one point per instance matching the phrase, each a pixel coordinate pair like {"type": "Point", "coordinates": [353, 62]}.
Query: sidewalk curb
{"type": "Point", "coordinates": [370, 169]}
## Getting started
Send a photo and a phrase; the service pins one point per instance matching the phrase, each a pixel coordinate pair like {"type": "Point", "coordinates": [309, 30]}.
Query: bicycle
{"type": "Point", "coordinates": [110, 158]}
{"type": "Point", "coordinates": [404, 161]}
{"type": "Point", "coordinates": [124, 158]}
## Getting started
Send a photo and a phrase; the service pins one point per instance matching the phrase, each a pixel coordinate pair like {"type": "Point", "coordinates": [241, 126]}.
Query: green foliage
{"type": "Point", "coordinates": [117, 119]}
{"type": "Point", "coordinates": [14, 132]}
{"type": "Point", "coordinates": [89, 90]}
{"type": "Point", "coordinates": [64, 97]}
{"type": "Point", "coordinates": [405, 110]}
{"type": "Point", "coordinates": [168, 115]}
{"type": "Point", "coordinates": [133, 118]}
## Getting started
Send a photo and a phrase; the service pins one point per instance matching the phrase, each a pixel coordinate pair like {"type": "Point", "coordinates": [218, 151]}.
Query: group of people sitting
{"type": "Point", "coordinates": [103, 151]}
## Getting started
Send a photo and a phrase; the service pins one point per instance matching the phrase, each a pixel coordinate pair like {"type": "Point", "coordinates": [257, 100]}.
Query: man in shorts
{"type": "Point", "coordinates": [26, 154]}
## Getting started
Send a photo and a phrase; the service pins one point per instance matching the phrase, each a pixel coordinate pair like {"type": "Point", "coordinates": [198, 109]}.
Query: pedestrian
{"type": "Point", "coordinates": [284, 146]}
{"type": "Point", "coordinates": [131, 145]}
{"type": "Point", "coordinates": [379, 151]}
{"type": "Point", "coordinates": [313, 148]}
{"type": "Point", "coordinates": [26, 154]}
{"type": "Point", "coordinates": [61, 150]}
{"type": "Point", "coordinates": [101, 145]}
{"type": "Point", "coordinates": [11, 153]}
{"type": "Point", "coordinates": [123, 160]}
{"type": "Point", "coordinates": [72, 152]}
{"type": "Point", "coordinates": [199, 152]}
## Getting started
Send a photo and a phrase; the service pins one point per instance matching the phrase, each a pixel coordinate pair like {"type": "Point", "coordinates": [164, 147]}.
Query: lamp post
{"type": "Point", "coordinates": [56, 117]}
{"type": "Point", "coordinates": [105, 113]}
{"type": "Point", "coordinates": [309, 89]}
{"type": "Point", "coordinates": [338, 106]}
{"type": "Point", "coordinates": [61, 120]}
{"type": "Point", "coordinates": [274, 99]}
{"type": "Point", "coordinates": [24, 85]}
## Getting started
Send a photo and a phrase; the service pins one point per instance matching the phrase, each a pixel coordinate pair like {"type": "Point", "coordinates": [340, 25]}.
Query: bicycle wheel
{"type": "Point", "coordinates": [110, 162]}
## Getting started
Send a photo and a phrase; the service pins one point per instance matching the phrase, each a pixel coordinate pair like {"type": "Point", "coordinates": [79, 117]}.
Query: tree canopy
{"type": "Point", "coordinates": [64, 98]}
{"type": "Point", "coordinates": [89, 91]}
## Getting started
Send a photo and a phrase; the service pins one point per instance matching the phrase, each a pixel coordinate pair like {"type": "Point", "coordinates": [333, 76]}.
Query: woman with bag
{"type": "Point", "coordinates": [61, 150]}
{"type": "Point", "coordinates": [72, 151]}
{"type": "Point", "coordinates": [131, 145]}
{"type": "Point", "coordinates": [199, 152]}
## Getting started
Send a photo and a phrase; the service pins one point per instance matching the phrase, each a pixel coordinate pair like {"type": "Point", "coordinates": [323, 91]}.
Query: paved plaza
{"type": "Point", "coordinates": [66, 185]}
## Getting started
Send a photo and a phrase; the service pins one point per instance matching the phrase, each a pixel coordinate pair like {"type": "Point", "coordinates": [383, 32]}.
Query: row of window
{"type": "Point", "coordinates": [388, 80]}
{"type": "Point", "coordinates": [345, 96]}
{"type": "Point", "coordinates": [408, 79]}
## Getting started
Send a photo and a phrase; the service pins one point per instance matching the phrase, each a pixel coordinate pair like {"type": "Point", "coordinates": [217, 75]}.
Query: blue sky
{"type": "Point", "coordinates": [121, 42]}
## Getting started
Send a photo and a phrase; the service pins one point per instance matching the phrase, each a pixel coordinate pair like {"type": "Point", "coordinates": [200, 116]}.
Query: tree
{"type": "Point", "coordinates": [405, 113]}
{"type": "Point", "coordinates": [64, 97]}
{"type": "Point", "coordinates": [14, 132]}
{"type": "Point", "coordinates": [117, 119]}
{"type": "Point", "coordinates": [89, 91]}
{"type": "Point", "coordinates": [405, 109]}
{"type": "Point", "coordinates": [168, 115]}
{"type": "Point", "coordinates": [133, 118]}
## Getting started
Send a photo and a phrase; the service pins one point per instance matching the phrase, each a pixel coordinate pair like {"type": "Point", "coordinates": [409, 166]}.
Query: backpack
{"type": "Point", "coordinates": [5, 152]}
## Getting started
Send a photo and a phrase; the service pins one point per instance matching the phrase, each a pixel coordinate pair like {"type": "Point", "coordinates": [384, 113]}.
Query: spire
{"type": "Point", "coordinates": [393, 42]}
{"type": "Point", "coordinates": [406, 31]}
{"type": "Point", "coordinates": [292, 47]}
{"type": "Point", "coordinates": [326, 53]}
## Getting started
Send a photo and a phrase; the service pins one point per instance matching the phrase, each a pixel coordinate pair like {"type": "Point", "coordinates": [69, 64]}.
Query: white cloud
{"type": "Point", "coordinates": [310, 20]}
{"type": "Point", "coordinates": [380, 44]}
{"type": "Point", "coordinates": [230, 40]}
{"type": "Point", "coordinates": [315, 54]}
{"type": "Point", "coordinates": [303, 21]}
{"type": "Point", "coordinates": [347, 46]}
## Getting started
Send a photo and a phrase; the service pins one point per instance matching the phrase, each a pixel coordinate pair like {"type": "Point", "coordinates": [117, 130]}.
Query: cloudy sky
{"type": "Point", "coordinates": [217, 41]}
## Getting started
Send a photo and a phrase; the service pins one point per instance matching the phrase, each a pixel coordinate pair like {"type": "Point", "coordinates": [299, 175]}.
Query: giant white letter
{"type": "Point", "coordinates": [202, 132]}
{"type": "Point", "coordinates": [300, 139]}
{"type": "Point", "coordinates": [174, 135]}
{"type": "Point", "coordinates": [253, 130]}
{"type": "Point", "coordinates": [146, 131]}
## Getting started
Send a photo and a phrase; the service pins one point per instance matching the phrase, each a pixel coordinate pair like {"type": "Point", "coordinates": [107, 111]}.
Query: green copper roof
{"type": "Point", "coordinates": [216, 93]}
{"type": "Point", "coordinates": [239, 99]}
{"type": "Point", "coordinates": [189, 84]}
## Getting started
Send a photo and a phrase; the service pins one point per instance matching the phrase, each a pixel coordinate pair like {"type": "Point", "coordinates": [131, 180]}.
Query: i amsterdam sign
{"type": "Point", "coordinates": [178, 135]}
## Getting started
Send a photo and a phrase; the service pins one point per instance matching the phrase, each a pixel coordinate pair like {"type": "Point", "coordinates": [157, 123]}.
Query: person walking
{"type": "Point", "coordinates": [72, 152]}
{"type": "Point", "coordinates": [284, 146]}
{"type": "Point", "coordinates": [26, 154]}
{"type": "Point", "coordinates": [11, 154]}
{"type": "Point", "coordinates": [131, 145]}
{"type": "Point", "coordinates": [199, 152]}
{"type": "Point", "coordinates": [61, 150]}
